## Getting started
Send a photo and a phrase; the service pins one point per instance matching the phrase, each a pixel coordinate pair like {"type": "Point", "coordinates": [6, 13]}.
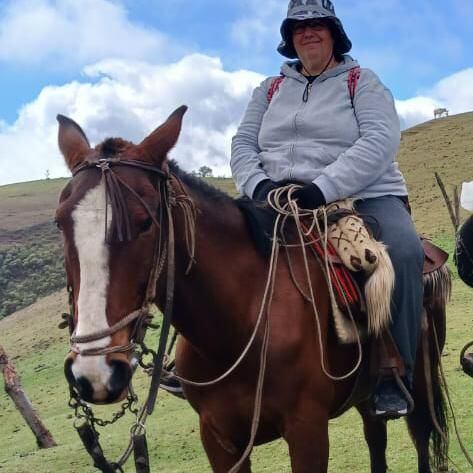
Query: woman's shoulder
{"type": "Point", "coordinates": [268, 82]}
{"type": "Point", "coordinates": [368, 73]}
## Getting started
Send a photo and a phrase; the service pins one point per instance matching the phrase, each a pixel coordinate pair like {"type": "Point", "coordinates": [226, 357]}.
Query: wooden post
{"type": "Point", "coordinates": [13, 388]}
{"type": "Point", "coordinates": [453, 210]}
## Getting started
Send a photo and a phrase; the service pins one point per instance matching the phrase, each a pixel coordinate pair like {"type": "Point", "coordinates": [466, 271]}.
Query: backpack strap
{"type": "Point", "coordinates": [273, 88]}
{"type": "Point", "coordinates": [353, 78]}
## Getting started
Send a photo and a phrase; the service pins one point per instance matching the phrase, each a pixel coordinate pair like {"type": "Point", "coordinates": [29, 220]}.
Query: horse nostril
{"type": "Point", "coordinates": [68, 371]}
{"type": "Point", "coordinates": [121, 375]}
{"type": "Point", "coordinates": [85, 389]}
{"type": "Point", "coordinates": [81, 384]}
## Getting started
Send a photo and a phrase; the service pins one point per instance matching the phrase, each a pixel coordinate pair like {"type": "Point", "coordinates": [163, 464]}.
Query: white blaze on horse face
{"type": "Point", "coordinates": [89, 238]}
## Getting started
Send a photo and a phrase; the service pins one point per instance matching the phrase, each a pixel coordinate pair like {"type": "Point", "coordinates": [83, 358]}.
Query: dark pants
{"type": "Point", "coordinates": [391, 223]}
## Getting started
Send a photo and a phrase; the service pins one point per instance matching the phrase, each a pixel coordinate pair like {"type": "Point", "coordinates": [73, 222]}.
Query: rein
{"type": "Point", "coordinates": [163, 253]}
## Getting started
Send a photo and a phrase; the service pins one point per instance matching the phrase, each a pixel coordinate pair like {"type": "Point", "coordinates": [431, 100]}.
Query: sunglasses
{"type": "Point", "coordinates": [315, 25]}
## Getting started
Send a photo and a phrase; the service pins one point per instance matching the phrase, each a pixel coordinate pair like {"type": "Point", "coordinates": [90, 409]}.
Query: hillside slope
{"type": "Point", "coordinates": [444, 146]}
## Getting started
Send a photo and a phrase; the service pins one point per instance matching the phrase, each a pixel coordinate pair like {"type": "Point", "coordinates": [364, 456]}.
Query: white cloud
{"type": "Point", "coordinates": [67, 33]}
{"type": "Point", "coordinates": [129, 99]}
{"type": "Point", "coordinates": [453, 93]}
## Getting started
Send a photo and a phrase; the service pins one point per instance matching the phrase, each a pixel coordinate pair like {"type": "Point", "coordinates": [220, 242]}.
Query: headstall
{"type": "Point", "coordinates": [85, 420]}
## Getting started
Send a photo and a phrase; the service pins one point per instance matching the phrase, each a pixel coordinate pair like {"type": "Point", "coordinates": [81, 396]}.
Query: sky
{"type": "Point", "coordinates": [120, 67]}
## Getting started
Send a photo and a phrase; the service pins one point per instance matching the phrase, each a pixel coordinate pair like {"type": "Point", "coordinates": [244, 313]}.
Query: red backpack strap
{"type": "Point", "coordinates": [353, 77]}
{"type": "Point", "coordinates": [275, 83]}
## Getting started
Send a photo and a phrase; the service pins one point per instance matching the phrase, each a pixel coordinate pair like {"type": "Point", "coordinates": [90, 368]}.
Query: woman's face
{"type": "Point", "coordinates": [312, 41]}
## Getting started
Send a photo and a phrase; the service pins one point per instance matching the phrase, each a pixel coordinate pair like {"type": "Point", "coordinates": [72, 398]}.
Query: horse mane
{"type": "Point", "coordinates": [258, 220]}
{"type": "Point", "coordinates": [199, 186]}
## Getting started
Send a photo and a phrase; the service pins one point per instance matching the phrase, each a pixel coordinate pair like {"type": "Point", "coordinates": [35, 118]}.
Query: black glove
{"type": "Point", "coordinates": [263, 189]}
{"type": "Point", "coordinates": [309, 197]}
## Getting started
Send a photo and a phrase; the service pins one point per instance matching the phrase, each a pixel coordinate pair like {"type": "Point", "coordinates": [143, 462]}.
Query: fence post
{"type": "Point", "coordinates": [13, 388]}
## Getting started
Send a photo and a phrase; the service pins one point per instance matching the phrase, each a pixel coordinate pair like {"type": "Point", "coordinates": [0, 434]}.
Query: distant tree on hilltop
{"type": "Point", "coordinates": [205, 171]}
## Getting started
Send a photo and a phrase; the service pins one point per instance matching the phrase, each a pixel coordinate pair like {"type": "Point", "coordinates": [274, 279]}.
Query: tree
{"type": "Point", "coordinates": [205, 171]}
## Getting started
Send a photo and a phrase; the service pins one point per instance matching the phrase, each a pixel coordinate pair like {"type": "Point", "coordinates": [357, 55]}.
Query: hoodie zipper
{"type": "Point", "coordinates": [307, 90]}
{"type": "Point", "coordinates": [305, 99]}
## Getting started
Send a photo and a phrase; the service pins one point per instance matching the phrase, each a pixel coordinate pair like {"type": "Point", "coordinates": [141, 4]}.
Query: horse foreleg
{"type": "Point", "coordinates": [221, 452]}
{"type": "Point", "coordinates": [376, 437]}
{"type": "Point", "coordinates": [307, 437]}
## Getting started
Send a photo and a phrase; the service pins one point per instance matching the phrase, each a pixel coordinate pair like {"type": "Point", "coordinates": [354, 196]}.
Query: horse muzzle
{"type": "Point", "coordinates": [102, 379]}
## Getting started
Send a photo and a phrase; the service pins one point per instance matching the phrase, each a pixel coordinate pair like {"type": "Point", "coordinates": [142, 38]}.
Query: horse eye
{"type": "Point", "coordinates": [58, 225]}
{"type": "Point", "coordinates": [145, 225]}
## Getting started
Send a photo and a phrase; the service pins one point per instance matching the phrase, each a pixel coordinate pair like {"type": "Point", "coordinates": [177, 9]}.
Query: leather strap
{"type": "Point", "coordinates": [140, 453]}
{"type": "Point", "coordinates": [91, 443]}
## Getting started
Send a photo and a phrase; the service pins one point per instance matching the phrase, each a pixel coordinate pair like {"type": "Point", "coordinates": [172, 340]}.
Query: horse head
{"type": "Point", "coordinates": [109, 215]}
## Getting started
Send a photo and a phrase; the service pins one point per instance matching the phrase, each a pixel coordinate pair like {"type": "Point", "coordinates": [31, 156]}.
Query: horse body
{"type": "Point", "coordinates": [216, 306]}
{"type": "Point", "coordinates": [215, 327]}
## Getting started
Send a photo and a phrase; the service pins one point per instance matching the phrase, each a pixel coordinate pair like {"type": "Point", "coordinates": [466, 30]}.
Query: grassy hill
{"type": "Point", "coordinates": [37, 346]}
{"type": "Point", "coordinates": [444, 146]}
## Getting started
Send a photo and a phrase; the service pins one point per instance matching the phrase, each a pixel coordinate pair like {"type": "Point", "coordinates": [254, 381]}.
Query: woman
{"type": "Point", "coordinates": [338, 144]}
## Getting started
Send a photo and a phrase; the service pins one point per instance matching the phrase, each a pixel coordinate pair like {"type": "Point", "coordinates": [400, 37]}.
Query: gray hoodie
{"type": "Point", "coordinates": [346, 151]}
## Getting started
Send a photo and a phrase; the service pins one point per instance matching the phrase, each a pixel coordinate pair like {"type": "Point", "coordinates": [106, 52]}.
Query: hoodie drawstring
{"type": "Point", "coordinates": [310, 80]}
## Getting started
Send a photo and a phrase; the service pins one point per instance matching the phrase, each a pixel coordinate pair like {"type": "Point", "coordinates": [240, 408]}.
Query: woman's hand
{"type": "Point", "coordinates": [263, 189]}
{"type": "Point", "coordinates": [309, 197]}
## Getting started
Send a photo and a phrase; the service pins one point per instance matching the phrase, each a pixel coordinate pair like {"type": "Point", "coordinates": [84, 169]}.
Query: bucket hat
{"type": "Point", "coordinates": [300, 10]}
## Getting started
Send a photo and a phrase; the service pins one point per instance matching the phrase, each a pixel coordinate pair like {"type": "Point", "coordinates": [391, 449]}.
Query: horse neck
{"type": "Point", "coordinates": [210, 308]}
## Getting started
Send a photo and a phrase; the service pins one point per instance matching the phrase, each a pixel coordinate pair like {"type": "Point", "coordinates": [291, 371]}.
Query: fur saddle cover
{"type": "Point", "coordinates": [360, 253]}
{"type": "Point", "coordinates": [351, 249]}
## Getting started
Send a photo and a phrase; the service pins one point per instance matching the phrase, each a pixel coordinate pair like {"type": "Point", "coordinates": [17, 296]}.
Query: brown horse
{"type": "Point", "coordinates": [215, 310]}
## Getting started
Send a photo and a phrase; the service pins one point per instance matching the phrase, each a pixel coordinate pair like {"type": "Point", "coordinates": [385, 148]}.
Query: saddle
{"type": "Point", "coordinates": [349, 284]}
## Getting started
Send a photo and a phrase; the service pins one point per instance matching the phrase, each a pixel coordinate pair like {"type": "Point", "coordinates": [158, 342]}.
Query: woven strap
{"type": "Point", "coordinates": [353, 78]}
{"type": "Point", "coordinates": [273, 88]}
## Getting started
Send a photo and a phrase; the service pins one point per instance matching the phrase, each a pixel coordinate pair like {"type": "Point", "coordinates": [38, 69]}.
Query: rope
{"type": "Point", "coordinates": [269, 284]}
{"type": "Point", "coordinates": [282, 202]}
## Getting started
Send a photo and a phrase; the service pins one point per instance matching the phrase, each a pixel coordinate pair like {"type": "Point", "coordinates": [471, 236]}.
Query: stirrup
{"type": "Point", "coordinates": [398, 401]}
{"type": "Point", "coordinates": [466, 359]}
{"type": "Point", "coordinates": [169, 382]}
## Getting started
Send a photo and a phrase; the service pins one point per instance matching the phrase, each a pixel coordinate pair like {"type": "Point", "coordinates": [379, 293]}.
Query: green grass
{"type": "Point", "coordinates": [38, 346]}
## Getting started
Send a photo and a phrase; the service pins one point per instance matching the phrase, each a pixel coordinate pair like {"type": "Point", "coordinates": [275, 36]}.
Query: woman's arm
{"type": "Point", "coordinates": [375, 150]}
{"type": "Point", "coordinates": [245, 163]}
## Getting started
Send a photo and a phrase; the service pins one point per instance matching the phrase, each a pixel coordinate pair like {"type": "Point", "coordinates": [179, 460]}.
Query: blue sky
{"type": "Point", "coordinates": [119, 67]}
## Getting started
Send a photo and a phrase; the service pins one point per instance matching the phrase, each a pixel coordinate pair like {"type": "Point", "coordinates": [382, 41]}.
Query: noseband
{"type": "Point", "coordinates": [122, 229]}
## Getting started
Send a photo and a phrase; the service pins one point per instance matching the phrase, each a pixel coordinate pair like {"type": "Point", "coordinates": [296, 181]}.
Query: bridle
{"type": "Point", "coordinates": [163, 256]}
{"type": "Point", "coordinates": [122, 228]}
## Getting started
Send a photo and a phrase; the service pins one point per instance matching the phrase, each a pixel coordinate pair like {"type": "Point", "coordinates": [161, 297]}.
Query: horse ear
{"type": "Point", "coordinates": [157, 145]}
{"type": "Point", "coordinates": [72, 141]}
